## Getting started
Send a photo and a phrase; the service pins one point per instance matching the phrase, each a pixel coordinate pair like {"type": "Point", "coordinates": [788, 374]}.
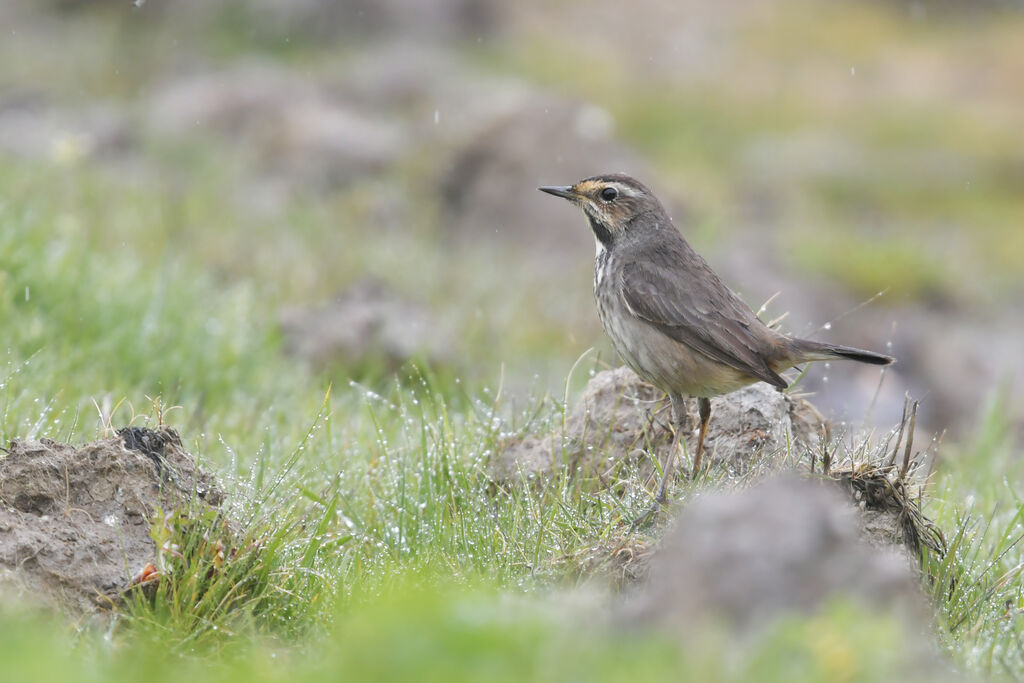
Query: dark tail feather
{"type": "Point", "coordinates": [812, 350]}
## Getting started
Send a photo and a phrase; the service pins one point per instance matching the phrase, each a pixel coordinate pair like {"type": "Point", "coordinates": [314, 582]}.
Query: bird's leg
{"type": "Point", "coordinates": [678, 418]}
{"type": "Point", "coordinates": [704, 406]}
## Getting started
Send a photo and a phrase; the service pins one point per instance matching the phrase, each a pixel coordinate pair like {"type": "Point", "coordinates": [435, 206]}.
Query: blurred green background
{"type": "Point", "coordinates": [233, 206]}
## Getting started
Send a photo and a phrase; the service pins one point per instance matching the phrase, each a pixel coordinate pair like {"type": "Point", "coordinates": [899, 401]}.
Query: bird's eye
{"type": "Point", "coordinates": [609, 193]}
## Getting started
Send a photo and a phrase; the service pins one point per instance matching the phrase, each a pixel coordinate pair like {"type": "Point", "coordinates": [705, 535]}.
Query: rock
{"type": "Point", "coordinates": [617, 421]}
{"type": "Point", "coordinates": [75, 522]}
{"type": "Point", "coordinates": [367, 324]}
{"type": "Point", "coordinates": [787, 545]}
{"type": "Point", "coordinates": [289, 127]}
{"type": "Point", "coordinates": [323, 145]}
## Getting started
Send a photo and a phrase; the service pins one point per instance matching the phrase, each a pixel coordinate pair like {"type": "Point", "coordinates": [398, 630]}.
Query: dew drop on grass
{"type": "Point", "coordinates": [827, 326]}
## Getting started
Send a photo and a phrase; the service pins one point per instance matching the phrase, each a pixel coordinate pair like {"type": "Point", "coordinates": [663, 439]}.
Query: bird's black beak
{"type": "Point", "coordinates": [563, 191]}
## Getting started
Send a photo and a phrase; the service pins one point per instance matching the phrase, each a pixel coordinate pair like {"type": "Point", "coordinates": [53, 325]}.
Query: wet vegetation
{"type": "Point", "coordinates": [145, 287]}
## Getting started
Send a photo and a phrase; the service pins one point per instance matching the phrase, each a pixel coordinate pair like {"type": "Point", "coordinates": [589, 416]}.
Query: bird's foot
{"type": "Point", "coordinates": [658, 505]}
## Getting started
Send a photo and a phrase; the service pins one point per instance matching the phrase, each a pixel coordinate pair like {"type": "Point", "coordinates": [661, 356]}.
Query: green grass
{"type": "Point", "coordinates": [976, 497]}
{"type": "Point", "coordinates": [466, 635]}
{"type": "Point", "coordinates": [370, 541]}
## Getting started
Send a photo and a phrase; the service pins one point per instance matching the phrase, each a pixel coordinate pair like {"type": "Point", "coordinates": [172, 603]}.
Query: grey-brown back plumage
{"type": "Point", "coordinates": [673, 289]}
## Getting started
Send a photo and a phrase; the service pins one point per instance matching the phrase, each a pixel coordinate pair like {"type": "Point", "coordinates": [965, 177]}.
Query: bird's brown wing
{"type": "Point", "coordinates": [680, 295]}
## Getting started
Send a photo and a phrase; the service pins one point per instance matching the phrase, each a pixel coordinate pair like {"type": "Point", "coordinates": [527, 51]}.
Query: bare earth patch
{"type": "Point", "coordinates": [786, 545]}
{"type": "Point", "coordinates": [862, 515]}
{"type": "Point", "coordinates": [75, 521]}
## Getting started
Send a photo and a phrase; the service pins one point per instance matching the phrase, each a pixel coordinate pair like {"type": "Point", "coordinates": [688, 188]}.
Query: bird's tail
{"type": "Point", "coordinates": [812, 350]}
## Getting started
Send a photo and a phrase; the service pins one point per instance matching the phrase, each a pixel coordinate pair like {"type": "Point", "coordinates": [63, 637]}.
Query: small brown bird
{"type": "Point", "coordinates": [670, 317]}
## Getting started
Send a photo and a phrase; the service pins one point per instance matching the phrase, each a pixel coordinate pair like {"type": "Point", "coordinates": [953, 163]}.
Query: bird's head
{"type": "Point", "coordinates": [612, 203]}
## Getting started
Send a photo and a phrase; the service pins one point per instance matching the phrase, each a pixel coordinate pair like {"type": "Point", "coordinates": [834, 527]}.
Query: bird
{"type": "Point", "coordinates": [669, 315]}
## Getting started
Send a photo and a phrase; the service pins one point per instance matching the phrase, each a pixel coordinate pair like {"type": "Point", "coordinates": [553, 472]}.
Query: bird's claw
{"type": "Point", "coordinates": [658, 505]}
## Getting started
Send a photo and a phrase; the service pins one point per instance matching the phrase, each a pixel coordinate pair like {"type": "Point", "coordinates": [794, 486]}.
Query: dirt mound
{"type": "Point", "coordinates": [786, 545]}
{"type": "Point", "coordinates": [367, 324]}
{"type": "Point", "coordinates": [611, 434]}
{"type": "Point", "coordinates": [75, 521]}
{"type": "Point", "coordinates": [620, 419]}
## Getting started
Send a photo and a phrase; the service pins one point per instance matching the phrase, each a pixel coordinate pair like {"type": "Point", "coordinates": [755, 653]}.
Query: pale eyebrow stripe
{"type": "Point", "coordinates": [624, 189]}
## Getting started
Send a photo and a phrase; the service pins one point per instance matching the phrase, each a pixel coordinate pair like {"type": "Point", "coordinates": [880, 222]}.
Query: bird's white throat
{"type": "Point", "coordinates": [599, 255]}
